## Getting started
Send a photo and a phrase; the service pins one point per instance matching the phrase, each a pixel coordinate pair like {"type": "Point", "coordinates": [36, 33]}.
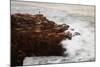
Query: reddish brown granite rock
{"type": "Point", "coordinates": [35, 35]}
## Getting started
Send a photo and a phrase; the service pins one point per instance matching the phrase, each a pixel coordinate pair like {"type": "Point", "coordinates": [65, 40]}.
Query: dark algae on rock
{"type": "Point", "coordinates": [35, 35]}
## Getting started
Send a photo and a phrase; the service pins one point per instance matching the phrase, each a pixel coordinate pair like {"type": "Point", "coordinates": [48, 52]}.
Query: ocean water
{"type": "Point", "coordinates": [81, 48]}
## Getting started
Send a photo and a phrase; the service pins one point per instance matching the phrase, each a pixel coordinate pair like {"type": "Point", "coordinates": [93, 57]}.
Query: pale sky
{"type": "Point", "coordinates": [86, 2]}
